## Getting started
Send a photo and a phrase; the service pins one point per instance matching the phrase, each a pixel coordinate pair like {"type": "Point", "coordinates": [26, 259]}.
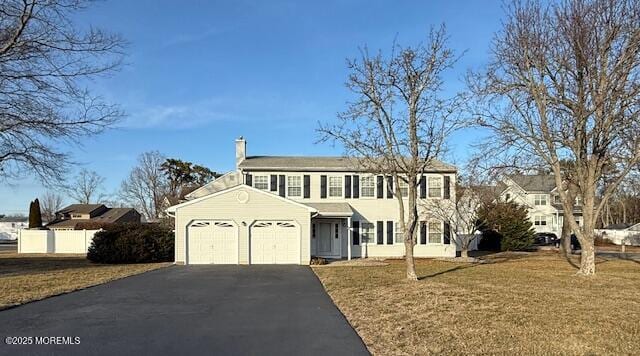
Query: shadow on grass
{"type": "Point", "coordinates": [453, 269]}
{"type": "Point", "coordinates": [37, 264]}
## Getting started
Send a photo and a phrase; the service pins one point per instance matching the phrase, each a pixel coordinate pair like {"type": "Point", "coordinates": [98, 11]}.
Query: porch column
{"type": "Point", "coordinates": [349, 237]}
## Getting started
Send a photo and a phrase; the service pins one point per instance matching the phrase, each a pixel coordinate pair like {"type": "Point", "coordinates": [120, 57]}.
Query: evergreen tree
{"type": "Point", "coordinates": [507, 225]}
{"type": "Point", "coordinates": [35, 217]}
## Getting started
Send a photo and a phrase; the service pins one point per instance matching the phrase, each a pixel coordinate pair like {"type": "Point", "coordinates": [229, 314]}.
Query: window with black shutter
{"type": "Point", "coordinates": [356, 186]}
{"type": "Point", "coordinates": [423, 187]}
{"type": "Point", "coordinates": [355, 225]}
{"type": "Point", "coordinates": [447, 233]}
{"type": "Point", "coordinates": [380, 233]}
{"type": "Point", "coordinates": [389, 232]}
{"type": "Point", "coordinates": [249, 180]}
{"type": "Point", "coordinates": [281, 185]}
{"type": "Point", "coordinates": [380, 187]}
{"type": "Point", "coordinates": [447, 187]}
{"type": "Point", "coordinates": [323, 187]}
{"type": "Point", "coordinates": [423, 233]}
{"type": "Point", "coordinates": [307, 186]}
{"type": "Point", "coordinates": [347, 186]}
{"type": "Point", "coordinates": [274, 183]}
{"type": "Point", "coordinates": [389, 187]}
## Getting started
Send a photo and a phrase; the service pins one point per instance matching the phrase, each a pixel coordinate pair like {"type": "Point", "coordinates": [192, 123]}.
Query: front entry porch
{"type": "Point", "coordinates": [330, 233]}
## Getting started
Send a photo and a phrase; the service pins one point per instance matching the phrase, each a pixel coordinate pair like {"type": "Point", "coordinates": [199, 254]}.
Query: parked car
{"type": "Point", "coordinates": [545, 238]}
{"type": "Point", "coordinates": [575, 244]}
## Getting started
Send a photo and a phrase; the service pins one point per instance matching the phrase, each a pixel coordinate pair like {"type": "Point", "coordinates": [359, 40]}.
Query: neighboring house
{"type": "Point", "coordinates": [616, 233]}
{"type": "Point", "coordinates": [69, 217]}
{"type": "Point", "coordinates": [539, 194]}
{"type": "Point", "coordinates": [9, 226]}
{"type": "Point", "coordinates": [275, 209]}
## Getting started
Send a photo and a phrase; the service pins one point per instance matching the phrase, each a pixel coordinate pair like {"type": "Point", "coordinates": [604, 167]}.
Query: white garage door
{"type": "Point", "coordinates": [275, 242]}
{"type": "Point", "coordinates": [212, 242]}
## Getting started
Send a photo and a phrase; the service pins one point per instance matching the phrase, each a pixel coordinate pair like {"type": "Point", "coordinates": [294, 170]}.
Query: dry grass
{"type": "Point", "coordinates": [527, 304]}
{"type": "Point", "coordinates": [25, 278]}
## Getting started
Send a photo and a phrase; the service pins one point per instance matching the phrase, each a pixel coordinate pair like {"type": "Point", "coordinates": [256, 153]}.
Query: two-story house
{"type": "Point", "coordinates": [75, 216]}
{"type": "Point", "coordinates": [274, 209]}
{"type": "Point", "coordinates": [539, 194]}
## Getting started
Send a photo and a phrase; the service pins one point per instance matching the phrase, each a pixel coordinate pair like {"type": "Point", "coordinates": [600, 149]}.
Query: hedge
{"type": "Point", "coordinates": [132, 243]}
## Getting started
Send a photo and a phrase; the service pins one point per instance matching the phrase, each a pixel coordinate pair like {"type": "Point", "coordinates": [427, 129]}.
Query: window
{"type": "Point", "coordinates": [261, 182]}
{"type": "Point", "coordinates": [435, 232]}
{"type": "Point", "coordinates": [335, 187]}
{"type": "Point", "coordinates": [540, 199]}
{"type": "Point", "coordinates": [399, 238]}
{"type": "Point", "coordinates": [294, 186]}
{"type": "Point", "coordinates": [435, 187]}
{"type": "Point", "coordinates": [540, 220]}
{"type": "Point", "coordinates": [367, 233]}
{"type": "Point", "coordinates": [367, 187]}
{"type": "Point", "coordinates": [404, 187]}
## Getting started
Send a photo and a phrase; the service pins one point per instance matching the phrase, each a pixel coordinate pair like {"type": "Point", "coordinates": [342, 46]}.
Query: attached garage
{"type": "Point", "coordinates": [275, 242]}
{"type": "Point", "coordinates": [212, 242]}
{"type": "Point", "coordinates": [242, 225]}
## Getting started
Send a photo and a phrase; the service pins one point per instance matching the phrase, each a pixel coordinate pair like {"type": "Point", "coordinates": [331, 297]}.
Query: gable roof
{"type": "Point", "coordinates": [319, 163]}
{"type": "Point", "coordinates": [535, 183]}
{"type": "Point", "coordinates": [173, 208]}
{"type": "Point", "coordinates": [110, 216]}
{"type": "Point", "coordinates": [80, 208]}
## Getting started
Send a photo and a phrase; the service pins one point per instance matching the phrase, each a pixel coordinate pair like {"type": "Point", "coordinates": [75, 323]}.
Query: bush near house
{"type": "Point", "coordinates": [505, 226]}
{"type": "Point", "coordinates": [132, 243]}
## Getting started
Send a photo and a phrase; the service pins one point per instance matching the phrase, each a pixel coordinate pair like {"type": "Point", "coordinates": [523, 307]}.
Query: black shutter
{"type": "Point", "coordinates": [323, 187]}
{"type": "Point", "coordinates": [356, 186]}
{"type": "Point", "coordinates": [249, 180]}
{"type": "Point", "coordinates": [380, 187]}
{"type": "Point", "coordinates": [347, 186]}
{"type": "Point", "coordinates": [307, 186]}
{"type": "Point", "coordinates": [389, 232]}
{"type": "Point", "coordinates": [447, 187]}
{"type": "Point", "coordinates": [447, 233]}
{"type": "Point", "coordinates": [281, 178]}
{"type": "Point", "coordinates": [389, 187]}
{"type": "Point", "coordinates": [423, 233]}
{"type": "Point", "coordinates": [423, 188]}
{"type": "Point", "coordinates": [380, 233]}
{"type": "Point", "coordinates": [356, 232]}
{"type": "Point", "coordinates": [274, 183]}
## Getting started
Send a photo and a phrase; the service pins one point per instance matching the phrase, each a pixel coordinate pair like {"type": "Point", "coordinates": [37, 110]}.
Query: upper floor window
{"type": "Point", "coordinates": [367, 187]}
{"type": "Point", "coordinates": [540, 199]}
{"type": "Point", "coordinates": [435, 187]}
{"type": "Point", "coordinates": [367, 232]}
{"type": "Point", "coordinates": [404, 187]}
{"type": "Point", "coordinates": [261, 182]}
{"type": "Point", "coordinates": [335, 187]}
{"type": "Point", "coordinates": [294, 186]}
{"type": "Point", "coordinates": [435, 232]}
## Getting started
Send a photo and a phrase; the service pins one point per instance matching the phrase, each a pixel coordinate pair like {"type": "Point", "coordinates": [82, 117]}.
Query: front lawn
{"type": "Point", "coordinates": [24, 278]}
{"type": "Point", "coordinates": [519, 304]}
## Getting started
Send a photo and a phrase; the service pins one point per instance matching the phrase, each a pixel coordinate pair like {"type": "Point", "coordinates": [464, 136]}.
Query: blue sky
{"type": "Point", "coordinates": [201, 73]}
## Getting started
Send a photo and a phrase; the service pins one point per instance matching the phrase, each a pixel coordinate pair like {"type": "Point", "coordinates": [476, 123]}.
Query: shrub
{"type": "Point", "coordinates": [490, 240]}
{"type": "Point", "coordinates": [132, 243]}
{"type": "Point", "coordinates": [510, 222]}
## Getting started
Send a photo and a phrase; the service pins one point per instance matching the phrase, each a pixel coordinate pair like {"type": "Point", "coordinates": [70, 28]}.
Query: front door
{"type": "Point", "coordinates": [328, 239]}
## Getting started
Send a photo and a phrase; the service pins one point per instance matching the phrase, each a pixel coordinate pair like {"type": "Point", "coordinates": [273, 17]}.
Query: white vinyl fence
{"type": "Point", "coordinates": [55, 241]}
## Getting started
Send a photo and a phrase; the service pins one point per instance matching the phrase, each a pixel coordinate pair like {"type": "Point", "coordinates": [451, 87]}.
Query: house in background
{"type": "Point", "coordinates": [9, 226]}
{"type": "Point", "coordinates": [539, 194]}
{"type": "Point", "coordinates": [74, 215]}
{"type": "Point", "coordinates": [617, 233]}
{"type": "Point", "coordinates": [283, 210]}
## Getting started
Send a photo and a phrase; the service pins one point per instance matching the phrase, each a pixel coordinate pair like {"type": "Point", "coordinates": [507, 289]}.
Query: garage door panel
{"type": "Point", "coordinates": [212, 242]}
{"type": "Point", "coordinates": [276, 242]}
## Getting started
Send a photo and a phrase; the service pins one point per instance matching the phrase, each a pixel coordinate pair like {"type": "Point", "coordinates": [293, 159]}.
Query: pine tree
{"type": "Point", "coordinates": [35, 217]}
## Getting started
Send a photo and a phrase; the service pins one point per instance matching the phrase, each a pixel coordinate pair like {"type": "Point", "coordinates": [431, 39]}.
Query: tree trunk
{"type": "Point", "coordinates": [565, 239]}
{"type": "Point", "coordinates": [587, 258]}
{"type": "Point", "coordinates": [465, 251]}
{"type": "Point", "coordinates": [411, 266]}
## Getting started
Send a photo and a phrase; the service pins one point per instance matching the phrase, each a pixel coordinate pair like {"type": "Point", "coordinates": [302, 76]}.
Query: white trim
{"type": "Point", "coordinates": [241, 186]}
{"type": "Point", "coordinates": [286, 185]}
{"type": "Point", "coordinates": [341, 187]}
{"type": "Point", "coordinates": [375, 186]}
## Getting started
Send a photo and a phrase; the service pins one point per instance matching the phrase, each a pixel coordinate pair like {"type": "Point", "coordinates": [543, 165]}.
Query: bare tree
{"type": "Point", "coordinates": [146, 186]}
{"type": "Point", "coordinates": [45, 62]}
{"type": "Point", "coordinates": [87, 187]}
{"type": "Point", "coordinates": [564, 84]}
{"type": "Point", "coordinates": [51, 202]}
{"type": "Point", "coordinates": [398, 122]}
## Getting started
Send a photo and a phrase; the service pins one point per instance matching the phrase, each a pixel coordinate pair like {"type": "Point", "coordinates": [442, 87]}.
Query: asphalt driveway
{"type": "Point", "coordinates": [190, 310]}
